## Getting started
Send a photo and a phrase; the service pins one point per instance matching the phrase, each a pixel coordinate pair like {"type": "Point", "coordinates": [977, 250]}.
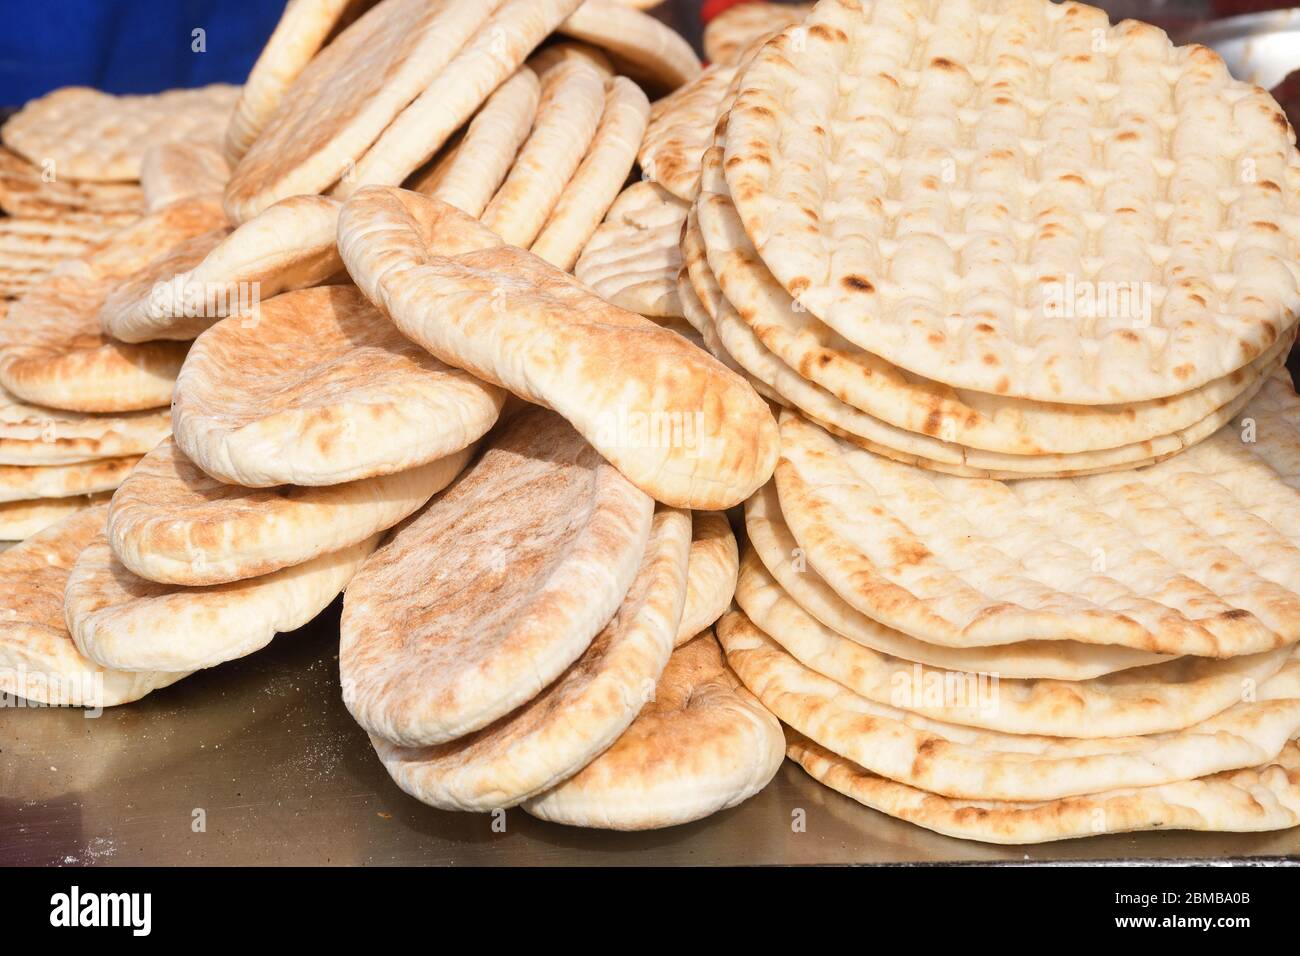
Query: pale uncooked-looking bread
{"type": "Point", "coordinates": [172, 523]}
{"type": "Point", "coordinates": [36, 435]}
{"type": "Point", "coordinates": [703, 744]}
{"type": "Point", "coordinates": [1195, 555]}
{"type": "Point", "coordinates": [635, 255]}
{"type": "Point", "coordinates": [346, 96]}
{"type": "Point", "coordinates": [579, 714]}
{"type": "Point", "coordinates": [594, 187]}
{"type": "Point", "coordinates": [976, 764]}
{"type": "Point", "coordinates": [91, 135]}
{"type": "Point", "coordinates": [497, 587]}
{"type": "Point", "coordinates": [123, 621]}
{"type": "Point", "coordinates": [781, 555]}
{"type": "Point", "coordinates": [320, 390]}
{"type": "Point", "coordinates": [675, 421]}
{"type": "Point", "coordinates": [1240, 801]}
{"type": "Point", "coordinates": [38, 660]}
{"type": "Point", "coordinates": [1144, 700]}
{"type": "Point", "coordinates": [711, 582]}
{"type": "Point", "coordinates": [954, 238]}
{"type": "Point", "coordinates": [290, 245]}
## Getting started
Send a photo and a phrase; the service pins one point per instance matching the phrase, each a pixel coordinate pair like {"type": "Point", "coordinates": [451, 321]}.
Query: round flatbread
{"type": "Point", "coordinates": [579, 714]}
{"type": "Point", "coordinates": [22, 519]}
{"type": "Point", "coordinates": [733, 30]}
{"type": "Point", "coordinates": [640, 46]}
{"type": "Point", "coordinates": [24, 483]}
{"type": "Point", "coordinates": [681, 129]}
{"type": "Point", "coordinates": [38, 660]}
{"type": "Point", "coordinates": [711, 584]}
{"type": "Point", "coordinates": [484, 599]}
{"type": "Point", "coordinates": [35, 435]}
{"type": "Point", "coordinates": [123, 621]}
{"type": "Point", "coordinates": [703, 744]}
{"type": "Point", "coordinates": [320, 390]}
{"type": "Point", "coordinates": [172, 523]}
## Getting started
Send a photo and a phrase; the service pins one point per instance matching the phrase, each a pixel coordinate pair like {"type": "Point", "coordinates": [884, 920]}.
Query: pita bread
{"type": "Point", "coordinates": [22, 519]}
{"type": "Point", "coordinates": [967, 296]}
{"type": "Point", "coordinates": [681, 129]}
{"type": "Point", "coordinates": [152, 283]}
{"type": "Point", "coordinates": [42, 190]}
{"type": "Point", "coordinates": [782, 557]}
{"type": "Point", "coordinates": [635, 256]}
{"type": "Point", "coordinates": [1127, 558]}
{"type": "Point", "coordinates": [712, 576]}
{"type": "Point", "coordinates": [974, 764]}
{"type": "Point", "coordinates": [34, 435]}
{"type": "Point", "coordinates": [511, 319]}
{"type": "Point", "coordinates": [561, 51]}
{"type": "Point", "coordinates": [701, 745]}
{"type": "Point", "coordinates": [91, 135]}
{"type": "Point", "coordinates": [639, 45]}
{"type": "Point", "coordinates": [579, 714]}
{"type": "Point", "coordinates": [594, 187]}
{"type": "Point", "coordinates": [65, 231]}
{"type": "Point", "coordinates": [498, 586]}
{"type": "Point", "coordinates": [126, 622]}
{"type": "Point", "coordinates": [487, 60]}
{"type": "Point", "coordinates": [478, 167]}
{"type": "Point", "coordinates": [24, 483]}
{"type": "Point", "coordinates": [184, 169]}
{"type": "Point", "coordinates": [733, 30]}
{"type": "Point", "coordinates": [291, 245]}
{"type": "Point", "coordinates": [304, 28]}
{"type": "Point", "coordinates": [321, 390]}
{"type": "Point", "coordinates": [1240, 801]}
{"type": "Point", "coordinates": [38, 660]}
{"type": "Point", "coordinates": [573, 97]}
{"type": "Point", "coordinates": [345, 97]}
{"type": "Point", "coordinates": [1144, 700]}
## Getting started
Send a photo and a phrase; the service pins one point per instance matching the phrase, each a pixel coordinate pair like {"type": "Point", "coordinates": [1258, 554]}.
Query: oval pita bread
{"type": "Point", "coordinates": [511, 319]}
{"type": "Point", "coordinates": [38, 660]}
{"type": "Point", "coordinates": [712, 577]}
{"type": "Point", "coordinates": [321, 389]}
{"type": "Point", "coordinates": [703, 744]}
{"type": "Point", "coordinates": [635, 255]}
{"type": "Point", "coordinates": [579, 714]}
{"type": "Point", "coordinates": [497, 587]}
{"type": "Point", "coordinates": [172, 523]}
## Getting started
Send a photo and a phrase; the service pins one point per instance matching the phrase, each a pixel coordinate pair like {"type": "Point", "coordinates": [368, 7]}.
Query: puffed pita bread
{"type": "Point", "coordinates": [345, 97]}
{"type": "Point", "coordinates": [1237, 801]}
{"type": "Point", "coordinates": [580, 713]}
{"type": "Point", "coordinates": [184, 169]}
{"type": "Point", "coordinates": [989, 422]}
{"type": "Point", "coordinates": [91, 135]}
{"type": "Point", "coordinates": [322, 389]}
{"type": "Point", "coordinates": [38, 660]}
{"type": "Point", "coordinates": [985, 765]}
{"type": "Point", "coordinates": [640, 46]}
{"type": "Point", "coordinates": [290, 245]}
{"type": "Point", "coordinates": [711, 582]}
{"type": "Point", "coordinates": [556, 52]}
{"type": "Point", "coordinates": [1144, 700]}
{"type": "Point", "coordinates": [487, 60]}
{"type": "Point", "coordinates": [172, 523]}
{"type": "Point", "coordinates": [35, 435]}
{"type": "Point", "coordinates": [635, 255]}
{"type": "Point", "coordinates": [22, 519]}
{"type": "Point", "coordinates": [43, 190]}
{"type": "Point", "coordinates": [681, 129]}
{"type": "Point", "coordinates": [123, 621]}
{"type": "Point", "coordinates": [303, 29]}
{"type": "Point", "coordinates": [1194, 555]}
{"type": "Point", "coordinates": [29, 483]}
{"type": "Point", "coordinates": [733, 30]}
{"type": "Point", "coordinates": [594, 187]}
{"type": "Point", "coordinates": [474, 173]}
{"type": "Point", "coordinates": [1007, 272]}
{"type": "Point", "coordinates": [1033, 660]}
{"type": "Point", "coordinates": [703, 744]}
{"type": "Point", "coordinates": [511, 319]}
{"type": "Point", "coordinates": [117, 316]}
{"type": "Point", "coordinates": [573, 97]}
{"type": "Point", "coordinates": [497, 587]}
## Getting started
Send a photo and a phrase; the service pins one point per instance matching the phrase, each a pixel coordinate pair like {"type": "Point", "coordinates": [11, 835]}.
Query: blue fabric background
{"type": "Point", "coordinates": [127, 46]}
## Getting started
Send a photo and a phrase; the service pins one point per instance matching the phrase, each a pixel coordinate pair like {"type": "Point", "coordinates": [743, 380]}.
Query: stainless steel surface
{"type": "Point", "coordinates": [265, 749]}
{"type": "Point", "coordinates": [1259, 48]}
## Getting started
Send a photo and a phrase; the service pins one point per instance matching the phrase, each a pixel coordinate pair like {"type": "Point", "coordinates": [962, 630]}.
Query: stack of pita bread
{"type": "Point", "coordinates": [1021, 574]}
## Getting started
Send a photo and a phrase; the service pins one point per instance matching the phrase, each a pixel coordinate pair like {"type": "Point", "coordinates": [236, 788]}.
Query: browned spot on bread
{"type": "Point", "coordinates": [944, 64]}
{"type": "Point", "coordinates": [983, 327]}
{"type": "Point", "coordinates": [1072, 178]}
{"type": "Point", "coordinates": [1266, 226]}
{"type": "Point", "coordinates": [858, 284]}
{"type": "Point", "coordinates": [1236, 614]}
{"type": "Point", "coordinates": [1127, 136]}
{"type": "Point", "coordinates": [1128, 335]}
{"type": "Point", "coordinates": [933, 422]}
